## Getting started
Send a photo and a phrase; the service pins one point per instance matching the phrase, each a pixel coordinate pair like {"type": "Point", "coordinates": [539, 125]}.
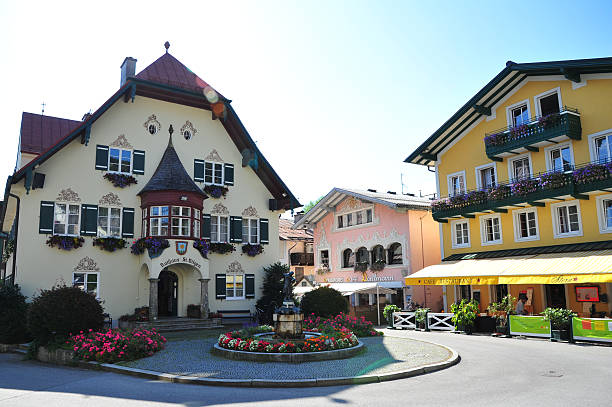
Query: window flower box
{"type": "Point", "coordinates": [221, 248]}
{"type": "Point", "coordinates": [361, 266]}
{"type": "Point", "coordinates": [216, 191]}
{"type": "Point", "coordinates": [120, 180]}
{"type": "Point", "coordinates": [499, 192]}
{"type": "Point", "coordinates": [65, 242]}
{"type": "Point", "coordinates": [154, 246]}
{"type": "Point", "coordinates": [252, 250]}
{"type": "Point", "coordinates": [524, 187]}
{"type": "Point", "coordinates": [110, 244]}
{"type": "Point", "coordinates": [323, 270]}
{"type": "Point", "coordinates": [378, 265]}
{"type": "Point", "coordinates": [202, 247]}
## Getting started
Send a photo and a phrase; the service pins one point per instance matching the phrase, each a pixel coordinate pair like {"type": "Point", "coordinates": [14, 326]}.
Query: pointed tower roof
{"type": "Point", "coordinates": [168, 70]}
{"type": "Point", "coordinates": [170, 175]}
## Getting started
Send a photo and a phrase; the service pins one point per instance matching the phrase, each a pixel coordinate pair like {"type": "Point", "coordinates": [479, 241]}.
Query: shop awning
{"type": "Point", "coordinates": [361, 288]}
{"type": "Point", "coordinates": [550, 268]}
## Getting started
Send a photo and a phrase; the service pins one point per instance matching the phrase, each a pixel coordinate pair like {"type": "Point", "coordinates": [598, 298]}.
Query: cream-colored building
{"type": "Point", "coordinates": [183, 144]}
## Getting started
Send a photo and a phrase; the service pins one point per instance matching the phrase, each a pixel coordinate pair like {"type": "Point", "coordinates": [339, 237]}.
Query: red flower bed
{"type": "Point", "coordinates": [115, 346]}
{"type": "Point", "coordinates": [359, 326]}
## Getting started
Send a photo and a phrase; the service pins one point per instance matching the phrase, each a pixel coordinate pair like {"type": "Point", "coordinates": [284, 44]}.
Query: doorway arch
{"type": "Point", "coordinates": [167, 294]}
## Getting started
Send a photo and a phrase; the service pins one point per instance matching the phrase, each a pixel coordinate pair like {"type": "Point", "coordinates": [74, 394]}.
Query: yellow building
{"type": "Point", "coordinates": [524, 172]}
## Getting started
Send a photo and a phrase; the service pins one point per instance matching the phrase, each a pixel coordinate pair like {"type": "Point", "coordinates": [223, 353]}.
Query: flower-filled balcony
{"type": "Point", "coordinates": [535, 191]}
{"type": "Point", "coordinates": [538, 132]}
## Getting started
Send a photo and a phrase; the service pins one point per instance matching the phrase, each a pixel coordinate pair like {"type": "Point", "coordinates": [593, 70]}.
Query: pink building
{"type": "Point", "coordinates": [366, 237]}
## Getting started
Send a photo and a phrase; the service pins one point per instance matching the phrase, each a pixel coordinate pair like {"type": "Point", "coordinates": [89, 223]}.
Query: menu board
{"type": "Point", "coordinates": [588, 294]}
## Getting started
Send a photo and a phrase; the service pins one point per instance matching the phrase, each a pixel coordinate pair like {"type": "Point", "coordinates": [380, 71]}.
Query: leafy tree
{"type": "Point", "coordinates": [324, 302]}
{"type": "Point", "coordinates": [13, 309]}
{"type": "Point", "coordinates": [311, 204]}
{"type": "Point", "coordinates": [272, 295]}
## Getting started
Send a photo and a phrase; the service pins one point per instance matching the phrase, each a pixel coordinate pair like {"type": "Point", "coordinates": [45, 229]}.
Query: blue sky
{"type": "Point", "coordinates": [336, 94]}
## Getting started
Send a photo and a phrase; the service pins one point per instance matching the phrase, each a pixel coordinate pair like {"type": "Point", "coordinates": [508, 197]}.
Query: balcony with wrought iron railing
{"type": "Point", "coordinates": [302, 259]}
{"type": "Point", "coordinates": [537, 132]}
{"type": "Point", "coordinates": [575, 183]}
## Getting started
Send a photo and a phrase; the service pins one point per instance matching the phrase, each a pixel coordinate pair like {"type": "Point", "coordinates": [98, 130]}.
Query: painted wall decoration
{"type": "Point", "coordinates": [188, 131]}
{"type": "Point", "coordinates": [213, 156]}
{"type": "Point", "coordinates": [235, 267]}
{"type": "Point", "coordinates": [250, 212]}
{"type": "Point", "coordinates": [87, 264]}
{"type": "Point", "coordinates": [121, 142]}
{"type": "Point", "coordinates": [68, 195]}
{"type": "Point", "coordinates": [152, 124]}
{"type": "Point", "coordinates": [110, 199]}
{"type": "Point", "coordinates": [220, 209]}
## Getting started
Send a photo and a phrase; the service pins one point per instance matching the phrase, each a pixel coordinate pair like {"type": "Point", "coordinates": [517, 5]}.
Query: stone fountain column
{"type": "Point", "coordinates": [153, 300]}
{"type": "Point", "coordinates": [204, 296]}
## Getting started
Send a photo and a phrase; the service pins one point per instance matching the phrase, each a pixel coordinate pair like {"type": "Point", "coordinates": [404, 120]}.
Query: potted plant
{"type": "Point", "coordinates": [464, 315]}
{"type": "Point", "coordinates": [361, 266]}
{"type": "Point", "coordinates": [221, 248]}
{"type": "Point", "coordinates": [388, 313]}
{"type": "Point", "coordinates": [501, 311]}
{"type": "Point", "coordinates": [378, 265]}
{"type": "Point", "coordinates": [560, 319]}
{"type": "Point", "coordinates": [420, 316]}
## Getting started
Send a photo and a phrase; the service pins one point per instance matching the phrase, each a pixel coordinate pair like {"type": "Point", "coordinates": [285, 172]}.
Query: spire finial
{"type": "Point", "coordinates": [166, 45]}
{"type": "Point", "coordinates": [170, 130]}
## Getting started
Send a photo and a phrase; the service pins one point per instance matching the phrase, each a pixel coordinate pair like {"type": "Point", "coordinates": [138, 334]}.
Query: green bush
{"type": "Point", "coordinates": [323, 302]}
{"type": "Point", "coordinates": [559, 317]}
{"type": "Point", "coordinates": [420, 314]}
{"type": "Point", "coordinates": [61, 311]}
{"type": "Point", "coordinates": [13, 312]}
{"type": "Point", "coordinates": [274, 281]}
{"type": "Point", "coordinates": [389, 310]}
{"type": "Point", "coordinates": [464, 314]}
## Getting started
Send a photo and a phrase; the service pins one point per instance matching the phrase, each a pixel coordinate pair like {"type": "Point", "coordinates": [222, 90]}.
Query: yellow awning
{"type": "Point", "coordinates": [552, 268]}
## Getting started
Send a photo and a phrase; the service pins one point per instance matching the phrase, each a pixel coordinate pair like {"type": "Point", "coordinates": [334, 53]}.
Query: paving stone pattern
{"type": "Point", "coordinates": [382, 355]}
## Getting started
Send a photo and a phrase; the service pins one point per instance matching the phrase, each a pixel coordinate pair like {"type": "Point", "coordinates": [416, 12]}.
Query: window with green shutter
{"type": "Point", "coordinates": [45, 222]}
{"type": "Point", "coordinates": [101, 157]}
{"type": "Point", "coordinates": [89, 220]}
{"type": "Point", "coordinates": [206, 226]}
{"type": "Point", "coordinates": [127, 227]}
{"type": "Point", "coordinates": [235, 229]}
{"type": "Point", "coordinates": [229, 174]}
{"type": "Point", "coordinates": [263, 231]}
{"type": "Point", "coordinates": [139, 162]}
{"type": "Point", "coordinates": [249, 285]}
{"type": "Point", "coordinates": [198, 170]}
{"type": "Point", "coordinates": [220, 286]}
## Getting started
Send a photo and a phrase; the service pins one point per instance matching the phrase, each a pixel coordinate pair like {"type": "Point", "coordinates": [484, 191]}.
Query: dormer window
{"type": "Point", "coordinates": [120, 160]}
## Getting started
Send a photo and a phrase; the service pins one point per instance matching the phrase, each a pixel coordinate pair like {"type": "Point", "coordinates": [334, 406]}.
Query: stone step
{"type": "Point", "coordinates": [186, 328]}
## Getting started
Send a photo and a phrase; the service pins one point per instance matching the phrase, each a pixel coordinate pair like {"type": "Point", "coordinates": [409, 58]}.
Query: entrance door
{"type": "Point", "coordinates": [167, 294]}
{"type": "Point", "coordinates": [555, 295]}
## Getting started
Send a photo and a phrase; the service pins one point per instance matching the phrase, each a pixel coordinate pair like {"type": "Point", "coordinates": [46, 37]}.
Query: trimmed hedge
{"type": "Point", "coordinates": [323, 302]}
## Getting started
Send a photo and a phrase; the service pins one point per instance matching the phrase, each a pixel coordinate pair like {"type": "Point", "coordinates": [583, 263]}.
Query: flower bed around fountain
{"type": "Point", "coordinates": [260, 344]}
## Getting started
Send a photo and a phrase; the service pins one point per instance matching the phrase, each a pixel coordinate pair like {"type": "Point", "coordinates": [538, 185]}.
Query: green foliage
{"type": "Point", "coordinates": [464, 313]}
{"type": "Point", "coordinates": [559, 317]}
{"type": "Point", "coordinates": [502, 309]}
{"type": "Point", "coordinates": [13, 311]}
{"type": "Point", "coordinates": [61, 311]}
{"type": "Point", "coordinates": [420, 314]}
{"type": "Point", "coordinates": [273, 286]}
{"type": "Point", "coordinates": [389, 310]}
{"type": "Point", "coordinates": [324, 302]}
{"type": "Point", "coordinates": [311, 204]}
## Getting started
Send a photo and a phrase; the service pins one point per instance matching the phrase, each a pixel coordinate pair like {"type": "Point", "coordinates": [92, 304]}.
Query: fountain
{"type": "Point", "coordinates": [288, 318]}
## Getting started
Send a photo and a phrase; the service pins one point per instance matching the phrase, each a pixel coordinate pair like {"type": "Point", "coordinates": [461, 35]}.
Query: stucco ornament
{"type": "Point", "coordinates": [383, 239]}
{"type": "Point", "coordinates": [188, 131]}
{"type": "Point", "coordinates": [87, 264]}
{"type": "Point", "coordinates": [323, 243]}
{"type": "Point", "coordinates": [213, 156]}
{"type": "Point", "coordinates": [152, 121]}
{"type": "Point", "coordinates": [68, 195]}
{"type": "Point", "coordinates": [110, 199]}
{"type": "Point", "coordinates": [235, 267]}
{"type": "Point", "coordinates": [220, 209]}
{"type": "Point", "coordinates": [121, 142]}
{"type": "Point", "coordinates": [250, 212]}
{"type": "Point", "coordinates": [352, 203]}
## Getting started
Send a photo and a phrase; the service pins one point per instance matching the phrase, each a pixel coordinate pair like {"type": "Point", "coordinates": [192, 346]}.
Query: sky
{"type": "Point", "coordinates": [335, 93]}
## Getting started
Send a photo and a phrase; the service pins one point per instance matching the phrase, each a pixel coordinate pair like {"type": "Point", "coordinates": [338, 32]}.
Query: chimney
{"type": "Point", "coordinates": [371, 190]}
{"type": "Point", "coordinates": [391, 192]}
{"type": "Point", "coordinates": [297, 217]}
{"type": "Point", "coordinates": [128, 69]}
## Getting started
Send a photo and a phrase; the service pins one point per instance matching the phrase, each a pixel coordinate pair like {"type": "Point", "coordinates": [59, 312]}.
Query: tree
{"type": "Point", "coordinates": [311, 204]}
{"type": "Point", "coordinates": [13, 309]}
{"type": "Point", "coordinates": [324, 302]}
{"type": "Point", "coordinates": [272, 295]}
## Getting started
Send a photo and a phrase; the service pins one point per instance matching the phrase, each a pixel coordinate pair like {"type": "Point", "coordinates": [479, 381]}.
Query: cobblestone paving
{"type": "Point", "coordinates": [382, 355]}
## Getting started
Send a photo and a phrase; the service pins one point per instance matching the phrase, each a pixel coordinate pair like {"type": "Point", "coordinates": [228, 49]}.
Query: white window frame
{"type": "Point", "coordinates": [549, 149]}
{"type": "Point", "coordinates": [591, 138]}
{"type": "Point", "coordinates": [355, 225]}
{"type": "Point", "coordinates": [108, 219]}
{"type": "Point", "coordinates": [78, 224]}
{"type": "Point", "coordinates": [484, 167]}
{"type": "Point", "coordinates": [449, 178]}
{"type": "Point", "coordinates": [516, 158]}
{"type": "Point", "coordinates": [214, 164]}
{"type": "Point", "coordinates": [601, 215]}
{"type": "Point", "coordinates": [555, 219]}
{"type": "Point", "coordinates": [160, 217]}
{"type": "Point", "coordinates": [483, 230]}
{"type": "Point", "coordinates": [86, 273]}
{"type": "Point", "coordinates": [120, 153]}
{"type": "Point", "coordinates": [537, 98]}
{"type": "Point", "coordinates": [234, 297]}
{"type": "Point", "coordinates": [218, 227]}
{"type": "Point", "coordinates": [321, 258]}
{"type": "Point", "coordinates": [517, 225]}
{"type": "Point", "coordinates": [249, 227]}
{"type": "Point", "coordinates": [454, 235]}
{"type": "Point", "coordinates": [514, 106]}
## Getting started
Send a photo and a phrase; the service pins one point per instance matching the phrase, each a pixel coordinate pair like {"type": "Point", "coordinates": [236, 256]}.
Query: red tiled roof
{"type": "Point", "coordinates": [38, 132]}
{"type": "Point", "coordinates": [168, 70]}
{"type": "Point", "coordinates": [286, 233]}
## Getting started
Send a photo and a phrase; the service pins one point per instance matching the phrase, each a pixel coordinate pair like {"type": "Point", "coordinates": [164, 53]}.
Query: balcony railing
{"type": "Point", "coordinates": [538, 131]}
{"type": "Point", "coordinates": [534, 191]}
{"type": "Point", "coordinates": [302, 259]}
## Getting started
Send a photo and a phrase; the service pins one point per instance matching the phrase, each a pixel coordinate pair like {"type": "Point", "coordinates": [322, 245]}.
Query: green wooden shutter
{"type": "Point", "coordinates": [89, 220]}
{"type": "Point", "coordinates": [263, 231]}
{"type": "Point", "coordinates": [198, 170]}
{"type": "Point", "coordinates": [45, 223]}
{"type": "Point", "coordinates": [127, 226]}
{"type": "Point", "coordinates": [249, 283]}
{"type": "Point", "coordinates": [206, 226]}
{"type": "Point", "coordinates": [229, 174]}
{"type": "Point", "coordinates": [220, 286]}
{"type": "Point", "coordinates": [235, 229]}
{"type": "Point", "coordinates": [101, 157]}
{"type": "Point", "coordinates": [139, 162]}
